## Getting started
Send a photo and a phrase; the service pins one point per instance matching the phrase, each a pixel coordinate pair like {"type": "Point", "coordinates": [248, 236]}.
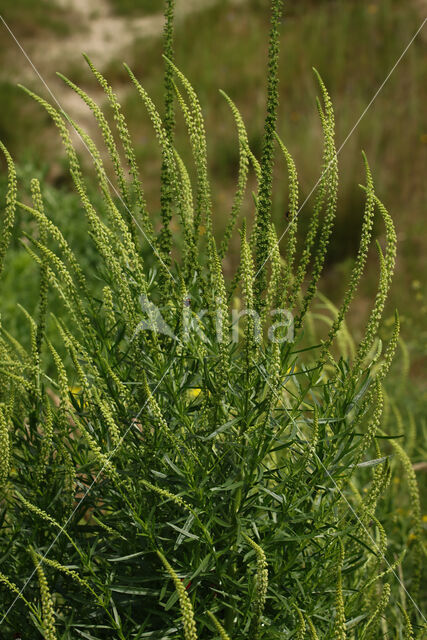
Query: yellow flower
{"type": "Point", "coordinates": [424, 518]}
{"type": "Point", "coordinates": [76, 393]}
{"type": "Point", "coordinates": [195, 392]}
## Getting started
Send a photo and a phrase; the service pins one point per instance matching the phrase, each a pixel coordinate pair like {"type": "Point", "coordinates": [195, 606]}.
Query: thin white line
{"type": "Point", "coordinates": [62, 530]}
{"type": "Point", "coordinates": [349, 134]}
{"type": "Point", "coordinates": [69, 119]}
{"type": "Point", "coordinates": [345, 499]}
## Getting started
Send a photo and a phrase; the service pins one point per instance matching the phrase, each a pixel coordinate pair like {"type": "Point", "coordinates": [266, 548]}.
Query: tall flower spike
{"type": "Point", "coordinates": [48, 619]}
{"type": "Point", "coordinates": [261, 588]}
{"type": "Point", "coordinates": [252, 321]}
{"type": "Point", "coordinates": [43, 515]}
{"type": "Point", "coordinates": [107, 136]}
{"type": "Point", "coordinates": [123, 241]}
{"type": "Point", "coordinates": [220, 308]}
{"type": "Point", "coordinates": [375, 420]}
{"type": "Point", "coordinates": [274, 380]}
{"type": "Point", "coordinates": [9, 214]}
{"type": "Point", "coordinates": [47, 440]}
{"type": "Point", "coordinates": [369, 631]}
{"type": "Point", "coordinates": [222, 632]}
{"type": "Point", "coordinates": [186, 194]}
{"type": "Point", "coordinates": [319, 202]}
{"type": "Point", "coordinates": [166, 180]}
{"type": "Point", "coordinates": [391, 349]}
{"type": "Point", "coordinates": [102, 235]}
{"type": "Point", "coordinates": [373, 322]}
{"type": "Point", "coordinates": [272, 300]}
{"type": "Point", "coordinates": [293, 218]}
{"type": "Point", "coordinates": [300, 632]}
{"type": "Point", "coordinates": [408, 633]}
{"type": "Point", "coordinates": [127, 147]}
{"type": "Point", "coordinates": [331, 177]}
{"type": "Point", "coordinates": [190, 631]}
{"type": "Point", "coordinates": [345, 342]}
{"type": "Point", "coordinates": [168, 160]}
{"type": "Point", "coordinates": [242, 178]}
{"type": "Point", "coordinates": [74, 576]}
{"type": "Point", "coordinates": [339, 622]}
{"type": "Point", "coordinates": [51, 260]}
{"type": "Point", "coordinates": [387, 263]}
{"type": "Point", "coordinates": [315, 433]}
{"type": "Point", "coordinates": [266, 184]}
{"type": "Point", "coordinates": [63, 131]}
{"type": "Point", "coordinates": [14, 589]}
{"type": "Point", "coordinates": [167, 495]}
{"type": "Point", "coordinates": [35, 364]}
{"type": "Point", "coordinates": [390, 569]}
{"type": "Point", "coordinates": [72, 343]}
{"type": "Point", "coordinates": [4, 447]}
{"type": "Point", "coordinates": [312, 630]}
{"type": "Point", "coordinates": [381, 479]}
{"type": "Point", "coordinates": [382, 543]}
{"type": "Point", "coordinates": [108, 305]}
{"type": "Point", "coordinates": [103, 460]}
{"type": "Point", "coordinates": [62, 378]}
{"type": "Point", "coordinates": [362, 254]}
{"type": "Point", "coordinates": [186, 211]}
{"type": "Point", "coordinates": [68, 572]}
{"type": "Point", "coordinates": [203, 200]}
{"type": "Point", "coordinates": [78, 365]}
{"type": "Point", "coordinates": [108, 417]}
{"type": "Point", "coordinates": [44, 283]}
{"type": "Point", "coordinates": [56, 234]}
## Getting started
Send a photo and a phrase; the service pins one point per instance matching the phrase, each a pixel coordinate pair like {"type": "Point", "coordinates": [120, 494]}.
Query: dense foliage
{"type": "Point", "coordinates": [182, 455]}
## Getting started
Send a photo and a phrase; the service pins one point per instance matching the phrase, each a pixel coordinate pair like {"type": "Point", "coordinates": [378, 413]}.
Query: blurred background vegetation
{"type": "Point", "coordinates": [222, 44]}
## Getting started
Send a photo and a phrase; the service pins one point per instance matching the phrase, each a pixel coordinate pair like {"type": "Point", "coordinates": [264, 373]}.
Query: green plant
{"type": "Point", "coordinates": [178, 459]}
